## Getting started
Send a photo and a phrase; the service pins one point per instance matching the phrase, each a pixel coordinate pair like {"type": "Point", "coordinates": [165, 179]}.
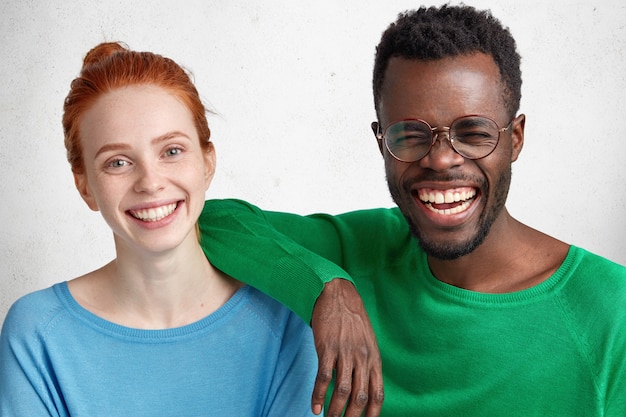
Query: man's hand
{"type": "Point", "coordinates": [345, 342]}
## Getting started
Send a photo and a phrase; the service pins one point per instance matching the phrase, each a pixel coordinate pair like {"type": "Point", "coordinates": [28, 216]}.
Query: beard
{"type": "Point", "coordinates": [449, 250]}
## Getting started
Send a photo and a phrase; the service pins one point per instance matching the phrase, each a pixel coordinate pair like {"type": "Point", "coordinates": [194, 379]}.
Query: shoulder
{"type": "Point", "coordinates": [35, 310]}
{"type": "Point", "coordinates": [592, 279]}
{"type": "Point", "coordinates": [585, 265]}
{"type": "Point", "coordinates": [594, 296]}
{"type": "Point", "coordinates": [593, 289]}
{"type": "Point", "coordinates": [274, 316]}
{"type": "Point", "coordinates": [33, 313]}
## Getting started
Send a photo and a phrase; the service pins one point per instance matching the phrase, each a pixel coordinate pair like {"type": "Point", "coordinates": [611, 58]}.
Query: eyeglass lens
{"type": "Point", "coordinates": [472, 137]}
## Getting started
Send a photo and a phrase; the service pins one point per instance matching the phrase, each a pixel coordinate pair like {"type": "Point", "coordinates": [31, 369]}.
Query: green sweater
{"type": "Point", "coordinates": [556, 349]}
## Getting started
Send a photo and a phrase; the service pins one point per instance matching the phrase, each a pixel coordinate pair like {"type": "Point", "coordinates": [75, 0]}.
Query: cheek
{"type": "Point", "coordinates": [108, 197]}
{"type": "Point", "coordinates": [99, 189]}
{"type": "Point", "coordinates": [504, 150]}
{"type": "Point", "coordinates": [499, 159]}
{"type": "Point", "coordinates": [198, 181]}
{"type": "Point", "coordinates": [496, 170]}
{"type": "Point", "coordinates": [394, 169]}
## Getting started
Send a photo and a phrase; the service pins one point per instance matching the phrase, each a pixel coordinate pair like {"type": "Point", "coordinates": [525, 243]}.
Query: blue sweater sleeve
{"type": "Point", "coordinates": [28, 386]}
{"type": "Point", "coordinates": [295, 372]}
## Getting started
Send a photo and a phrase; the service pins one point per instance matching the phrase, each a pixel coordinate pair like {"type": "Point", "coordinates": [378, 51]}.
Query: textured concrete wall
{"type": "Point", "coordinates": [290, 84]}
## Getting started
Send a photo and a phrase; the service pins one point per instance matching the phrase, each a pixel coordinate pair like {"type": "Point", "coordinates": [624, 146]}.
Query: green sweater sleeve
{"type": "Point", "coordinates": [239, 240]}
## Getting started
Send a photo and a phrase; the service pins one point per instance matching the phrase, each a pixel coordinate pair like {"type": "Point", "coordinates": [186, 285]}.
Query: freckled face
{"type": "Point", "coordinates": [145, 170]}
{"type": "Point", "coordinates": [449, 201]}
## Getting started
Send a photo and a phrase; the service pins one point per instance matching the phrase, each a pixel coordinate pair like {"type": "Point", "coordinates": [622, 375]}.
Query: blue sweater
{"type": "Point", "coordinates": [252, 357]}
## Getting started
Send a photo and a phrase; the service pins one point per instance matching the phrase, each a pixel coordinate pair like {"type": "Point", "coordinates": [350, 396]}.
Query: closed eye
{"type": "Point", "coordinates": [411, 139]}
{"type": "Point", "coordinates": [474, 137]}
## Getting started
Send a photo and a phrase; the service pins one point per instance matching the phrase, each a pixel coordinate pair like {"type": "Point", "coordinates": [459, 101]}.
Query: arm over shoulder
{"type": "Point", "coordinates": [239, 240]}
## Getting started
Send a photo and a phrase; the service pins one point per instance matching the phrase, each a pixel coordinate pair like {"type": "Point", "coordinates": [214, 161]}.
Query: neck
{"type": "Point", "coordinates": [156, 291]}
{"type": "Point", "coordinates": [513, 257]}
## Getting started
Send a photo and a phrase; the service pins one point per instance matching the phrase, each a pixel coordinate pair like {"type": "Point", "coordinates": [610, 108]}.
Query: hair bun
{"type": "Point", "coordinates": [102, 51]}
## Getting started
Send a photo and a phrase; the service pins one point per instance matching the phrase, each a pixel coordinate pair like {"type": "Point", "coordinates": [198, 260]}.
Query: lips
{"type": "Point", "coordinates": [154, 214]}
{"type": "Point", "coordinates": [447, 202]}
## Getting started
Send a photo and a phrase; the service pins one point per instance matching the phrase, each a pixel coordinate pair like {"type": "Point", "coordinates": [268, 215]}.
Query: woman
{"type": "Point", "coordinates": [158, 331]}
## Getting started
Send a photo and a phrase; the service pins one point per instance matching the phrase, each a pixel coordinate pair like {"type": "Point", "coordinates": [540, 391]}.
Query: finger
{"type": "Point", "coordinates": [343, 387]}
{"type": "Point", "coordinates": [376, 391]}
{"type": "Point", "coordinates": [360, 385]}
{"type": "Point", "coordinates": [326, 363]}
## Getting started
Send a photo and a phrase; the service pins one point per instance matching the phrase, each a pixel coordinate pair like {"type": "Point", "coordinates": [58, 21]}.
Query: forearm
{"type": "Point", "coordinates": [264, 249]}
{"type": "Point", "coordinates": [238, 239]}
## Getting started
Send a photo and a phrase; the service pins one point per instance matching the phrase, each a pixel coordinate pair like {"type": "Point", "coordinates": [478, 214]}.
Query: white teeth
{"type": "Point", "coordinates": [154, 214]}
{"type": "Point", "coordinates": [431, 197]}
{"type": "Point", "coordinates": [454, 210]}
{"type": "Point", "coordinates": [440, 197]}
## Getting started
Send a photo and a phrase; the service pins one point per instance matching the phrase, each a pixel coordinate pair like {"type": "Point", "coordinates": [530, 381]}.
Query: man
{"type": "Point", "coordinates": [476, 314]}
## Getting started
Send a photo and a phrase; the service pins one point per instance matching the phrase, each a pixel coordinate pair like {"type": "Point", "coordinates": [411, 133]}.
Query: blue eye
{"type": "Point", "coordinates": [173, 151]}
{"type": "Point", "coordinates": [118, 163]}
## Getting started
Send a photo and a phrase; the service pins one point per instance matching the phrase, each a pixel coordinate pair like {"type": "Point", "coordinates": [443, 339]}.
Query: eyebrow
{"type": "Point", "coordinates": [123, 146]}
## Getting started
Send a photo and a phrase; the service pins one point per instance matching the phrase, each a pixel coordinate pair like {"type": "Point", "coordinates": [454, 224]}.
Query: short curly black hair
{"type": "Point", "coordinates": [447, 31]}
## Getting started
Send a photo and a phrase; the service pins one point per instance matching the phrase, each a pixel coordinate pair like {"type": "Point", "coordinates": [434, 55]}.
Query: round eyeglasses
{"type": "Point", "coordinates": [472, 137]}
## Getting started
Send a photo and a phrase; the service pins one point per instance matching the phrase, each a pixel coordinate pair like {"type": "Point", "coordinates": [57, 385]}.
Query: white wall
{"type": "Point", "coordinates": [291, 83]}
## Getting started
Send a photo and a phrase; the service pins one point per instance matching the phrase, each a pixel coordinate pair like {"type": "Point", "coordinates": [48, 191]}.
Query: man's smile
{"type": "Point", "coordinates": [446, 202]}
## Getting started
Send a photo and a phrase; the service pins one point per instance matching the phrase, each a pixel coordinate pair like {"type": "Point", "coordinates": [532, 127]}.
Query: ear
{"type": "Point", "coordinates": [517, 136]}
{"type": "Point", "coordinates": [209, 164]}
{"type": "Point", "coordinates": [379, 137]}
{"type": "Point", "coordinates": [82, 185]}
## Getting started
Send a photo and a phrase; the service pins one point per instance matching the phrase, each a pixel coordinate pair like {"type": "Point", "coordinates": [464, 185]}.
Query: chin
{"type": "Point", "coordinates": [451, 249]}
{"type": "Point", "coordinates": [448, 251]}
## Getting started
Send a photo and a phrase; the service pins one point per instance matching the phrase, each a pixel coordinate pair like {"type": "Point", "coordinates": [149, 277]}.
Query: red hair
{"type": "Point", "coordinates": [111, 65]}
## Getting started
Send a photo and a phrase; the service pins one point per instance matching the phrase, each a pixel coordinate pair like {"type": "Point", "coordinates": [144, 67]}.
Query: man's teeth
{"type": "Point", "coordinates": [454, 210]}
{"type": "Point", "coordinates": [463, 197]}
{"type": "Point", "coordinates": [154, 214]}
{"type": "Point", "coordinates": [440, 197]}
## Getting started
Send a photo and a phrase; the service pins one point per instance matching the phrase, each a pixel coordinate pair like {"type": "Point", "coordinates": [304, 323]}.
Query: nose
{"type": "Point", "coordinates": [442, 155]}
{"type": "Point", "coordinates": [149, 179]}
